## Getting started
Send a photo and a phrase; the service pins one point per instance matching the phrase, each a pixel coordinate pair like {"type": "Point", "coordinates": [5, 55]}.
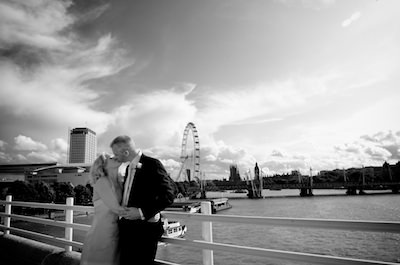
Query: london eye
{"type": "Point", "coordinates": [190, 154]}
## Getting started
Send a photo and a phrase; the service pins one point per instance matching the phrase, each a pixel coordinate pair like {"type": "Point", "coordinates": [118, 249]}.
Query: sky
{"type": "Point", "coordinates": [291, 85]}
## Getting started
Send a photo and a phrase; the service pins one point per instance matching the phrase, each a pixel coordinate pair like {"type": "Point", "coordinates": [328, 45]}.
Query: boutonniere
{"type": "Point", "coordinates": [139, 165]}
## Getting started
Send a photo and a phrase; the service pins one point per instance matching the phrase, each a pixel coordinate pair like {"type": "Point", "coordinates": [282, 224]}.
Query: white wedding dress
{"type": "Point", "coordinates": [101, 244]}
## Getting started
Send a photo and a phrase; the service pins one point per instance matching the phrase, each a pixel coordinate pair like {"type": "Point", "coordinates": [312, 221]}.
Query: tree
{"type": "Point", "coordinates": [45, 193]}
{"type": "Point", "coordinates": [83, 196]}
{"type": "Point", "coordinates": [22, 191]}
{"type": "Point", "coordinates": [63, 190]}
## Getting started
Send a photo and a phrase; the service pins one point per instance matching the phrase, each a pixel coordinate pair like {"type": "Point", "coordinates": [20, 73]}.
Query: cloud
{"type": "Point", "coordinates": [255, 104]}
{"type": "Point", "coordinates": [286, 165]}
{"type": "Point", "coordinates": [170, 164]}
{"type": "Point", "coordinates": [43, 156]}
{"type": "Point", "coordinates": [20, 158]}
{"type": "Point", "coordinates": [2, 145]}
{"type": "Point", "coordinates": [354, 17]}
{"type": "Point", "coordinates": [59, 145]}
{"type": "Point", "coordinates": [311, 4]}
{"type": "Point", "coordinates": [153, 119]}
{"type": "Point", "coordinates": [5, 158]}
{"type": "Point", "coordinates": [30, 150]}
{"type": "Point", "coordinates": [24, 143]}
{"type": "Point", "coordinates": [276, 153]}
{"type": "Point", "coordinates": [34, 23]}
{"type": "Point", "coordinates": [217, 159]}
{"type": "Point", "coordinates": [46, 67]}
{"type": "Point", "coordinates": [373, 149]}
{"type": "Point", "coordinates": [156, 119]}
{"type": "Point", "coordinates": [56, 89]}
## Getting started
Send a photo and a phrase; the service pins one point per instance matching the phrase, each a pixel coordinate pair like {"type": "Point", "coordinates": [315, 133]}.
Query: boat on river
{"type": "Point", "coordinates": [220, 204]}
{"type": "Point", "coordinates": [173, 229]}
{"type": "Point", "coordinates": [185, 206]}
{"type": "Point", "coordinates": [194, 206]}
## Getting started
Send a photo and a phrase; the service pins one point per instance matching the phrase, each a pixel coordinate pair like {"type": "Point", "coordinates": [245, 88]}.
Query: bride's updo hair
{"type": "Point", "coordinates": [98, 169]}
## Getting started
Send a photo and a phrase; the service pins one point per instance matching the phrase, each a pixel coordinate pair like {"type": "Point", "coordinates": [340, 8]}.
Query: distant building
{"type": "Point", "coordinates": [256, 172]}
{"type": "Point", "coordinates": [76, 174]}
{"type": "Point", "coordinates": [234, 175]}
{"type": "Point", "coordinates": [12, 172]}
{"type": "Point", "coordinates": [385, 173]}
{"type": "Point", "coordinates": [82, 146]}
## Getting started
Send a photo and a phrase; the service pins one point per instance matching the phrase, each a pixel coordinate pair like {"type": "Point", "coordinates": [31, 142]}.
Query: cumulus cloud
{"type": "Point", "coordinates": [218, 157]}
{"type": "Point", "coordinates": [43, 156]}
{"type": "Point", "coordinates": [59, 145]}
{"type": "Point", "coordinates": [30, 150]}
{"type": "Point", "coordinates": [354, 17]}
{"type": "Point", "coordinates": [24, 143]}
{"type": "Point", "coordinates": [276, 153]}
{"type": "Point", "coordinates": [157, 119]}
{"type": "Point", "coordinates": [373, 149]}
{"type": "Point", "coordinates": [153, 119]}
{"type": "Point", "coordinates": [171, 164]}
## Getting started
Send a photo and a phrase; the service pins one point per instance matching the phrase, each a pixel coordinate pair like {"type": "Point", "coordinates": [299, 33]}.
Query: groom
{"type": "Point", "coordinates": [147, 190]}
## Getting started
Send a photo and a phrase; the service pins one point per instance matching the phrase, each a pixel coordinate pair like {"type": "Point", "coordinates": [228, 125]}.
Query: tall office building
{"type": "Point", "coordinates": [82, 145]}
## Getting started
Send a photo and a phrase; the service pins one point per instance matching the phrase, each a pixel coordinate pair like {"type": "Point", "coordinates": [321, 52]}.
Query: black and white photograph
{"type": "Point", "coordinates": [199, 132]}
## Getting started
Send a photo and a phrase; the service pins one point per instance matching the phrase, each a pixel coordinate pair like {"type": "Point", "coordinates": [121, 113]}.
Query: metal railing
{"type": "Point", "coordinates": [207, 244]}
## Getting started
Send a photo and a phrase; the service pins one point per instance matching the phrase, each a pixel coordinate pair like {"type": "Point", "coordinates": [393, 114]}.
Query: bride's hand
{"type": "Point", "coordinates": [122, 211]}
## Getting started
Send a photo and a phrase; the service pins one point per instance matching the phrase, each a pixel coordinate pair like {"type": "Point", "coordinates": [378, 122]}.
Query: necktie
{"type": "Point", "coordinates": [126, 175]}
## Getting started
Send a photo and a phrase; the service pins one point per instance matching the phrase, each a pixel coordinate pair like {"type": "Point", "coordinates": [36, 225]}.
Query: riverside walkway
{"type": "Point", "coordinates": [207, 245]}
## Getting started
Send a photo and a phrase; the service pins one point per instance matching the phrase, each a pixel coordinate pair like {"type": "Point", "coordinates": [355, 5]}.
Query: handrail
{"type": "Point", "coordinates": [370, 226]}
{"type": "Point", "coordinates": [37, 220]}
{"type": "Point", "coordinates": [78, 208]}
{"type": "Point", "coordinates": [208, 245]}
{"type": "Point", "coordinates": [54, 239]}
{"type": "Point", "coordinates": [274, 254]}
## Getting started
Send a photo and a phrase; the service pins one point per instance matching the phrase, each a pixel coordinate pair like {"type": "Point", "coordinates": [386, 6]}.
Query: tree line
{"type": "Point", "coordinates": [43, 192]}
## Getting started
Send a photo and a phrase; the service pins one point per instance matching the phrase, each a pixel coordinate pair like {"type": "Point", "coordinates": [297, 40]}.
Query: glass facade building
{"type": "Point", "coordinates": [82, 145]}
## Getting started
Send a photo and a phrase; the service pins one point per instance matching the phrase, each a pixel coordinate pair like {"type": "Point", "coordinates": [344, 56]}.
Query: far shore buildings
{"type": "Point", "coordinates": [234, 175]}
{"type": "Point", "coordinates": [82, 153]}
{"type": "Point", "coordinates": [76, 174]}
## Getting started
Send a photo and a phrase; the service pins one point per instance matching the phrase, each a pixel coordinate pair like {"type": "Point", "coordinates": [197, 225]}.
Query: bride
{"type": "Point", "coordinates": [101, 243]}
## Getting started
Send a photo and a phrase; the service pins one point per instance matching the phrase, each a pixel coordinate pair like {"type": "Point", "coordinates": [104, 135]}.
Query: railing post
{"type": "Point", "coordinates": [208, 256]}
{"type": "Point", "coordinates": [69, 218]}
{"type": "Point", "coordinates": [7, 220]}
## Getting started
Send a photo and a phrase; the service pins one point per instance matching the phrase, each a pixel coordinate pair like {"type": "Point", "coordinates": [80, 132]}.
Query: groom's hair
{"type": "Point", "coordinates": [122, 139]}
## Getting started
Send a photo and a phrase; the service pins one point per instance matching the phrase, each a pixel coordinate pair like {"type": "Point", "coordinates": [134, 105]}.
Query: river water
{"type": "Point", "coordinates": [326, 204]}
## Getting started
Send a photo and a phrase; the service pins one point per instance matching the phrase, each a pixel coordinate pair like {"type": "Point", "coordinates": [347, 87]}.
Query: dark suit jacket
{"type": "Point", "coordinates": [152, 189]}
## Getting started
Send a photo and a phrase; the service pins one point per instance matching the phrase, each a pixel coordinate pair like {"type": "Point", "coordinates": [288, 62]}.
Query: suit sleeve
{"type": "Point", "coordinates": [165, 188]}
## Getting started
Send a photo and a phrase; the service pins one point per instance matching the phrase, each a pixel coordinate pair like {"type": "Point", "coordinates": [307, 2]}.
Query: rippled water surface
{"type": "Point", "coordinates": [362, 245]}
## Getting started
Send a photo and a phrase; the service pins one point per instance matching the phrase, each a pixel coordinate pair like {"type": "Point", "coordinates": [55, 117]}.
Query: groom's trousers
{"type": "Point", "coordinates": [138, 241]}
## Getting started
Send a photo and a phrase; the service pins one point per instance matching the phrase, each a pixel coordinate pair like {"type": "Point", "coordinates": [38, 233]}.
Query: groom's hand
{"type": "Point", "coordinates": [132, 213]}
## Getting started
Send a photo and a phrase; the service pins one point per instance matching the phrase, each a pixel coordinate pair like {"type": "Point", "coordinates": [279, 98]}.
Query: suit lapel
{"type": "Point", "coordinates": [136, 177]}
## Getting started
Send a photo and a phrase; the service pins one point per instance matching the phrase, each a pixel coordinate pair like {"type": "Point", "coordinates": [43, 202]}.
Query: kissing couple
{"type": "Point", "coordinates": [127, 203]}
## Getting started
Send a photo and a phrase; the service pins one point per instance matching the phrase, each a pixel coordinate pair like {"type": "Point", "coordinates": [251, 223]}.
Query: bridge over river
{"type": "Point", "coordinates": [307, 187]}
